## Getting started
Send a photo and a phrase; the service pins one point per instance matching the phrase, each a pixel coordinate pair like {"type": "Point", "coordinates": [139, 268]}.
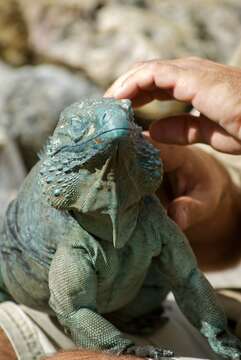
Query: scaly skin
{"type": "Point", "coordinates": [86, 236]}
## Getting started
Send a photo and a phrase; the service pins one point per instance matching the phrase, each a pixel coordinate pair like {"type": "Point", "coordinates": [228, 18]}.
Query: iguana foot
{"type": "Point", "coordinates": [149, 352]}
{"type": "Point", "coordinates": [226, 345]}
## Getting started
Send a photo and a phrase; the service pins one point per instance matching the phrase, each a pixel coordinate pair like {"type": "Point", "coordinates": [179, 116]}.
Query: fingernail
{"type": "Point", "coordinates": [179, 215]}
{"type": "Point", "coordinates": [183, 219]}
{"type": "Point", "coordinates": [146, 134]}
{"type": "Point", "coordinates": [120, 90]}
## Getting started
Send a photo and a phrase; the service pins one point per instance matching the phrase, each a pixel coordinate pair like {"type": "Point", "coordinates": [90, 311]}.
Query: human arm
{"type": "Point", "coordinates": [87, 355]}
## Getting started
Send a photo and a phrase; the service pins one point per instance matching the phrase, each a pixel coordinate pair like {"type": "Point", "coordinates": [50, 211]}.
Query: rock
{"type": "Point", "coordinates": [98, 39]}
{"type": "Point", "coordinates": [12, 171]}
{"type": "Point", "coordinates": [14, 47]}
{"type": "Point", "coordinates": [215, 24]}
{"type": "Point", "coordinates": [104, 38]}
{"type": "Point", "coordinates": [32, 103]}
{"type": "Point", "coordinates": [6, 75]}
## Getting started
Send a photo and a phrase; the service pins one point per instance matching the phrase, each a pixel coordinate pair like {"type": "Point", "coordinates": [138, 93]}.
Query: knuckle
{"type": "Point", "coordinates": [154, 66]}
{"type": "Point", "coordinates": [194, 58]}
{"type": "Point", "coordinates": [161, 66]}
{"type": "Point", "coordinates": [138, 64]}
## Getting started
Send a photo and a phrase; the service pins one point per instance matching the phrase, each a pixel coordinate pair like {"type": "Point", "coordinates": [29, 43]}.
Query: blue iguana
{"type": "Point", "coordinates": [87, 236]}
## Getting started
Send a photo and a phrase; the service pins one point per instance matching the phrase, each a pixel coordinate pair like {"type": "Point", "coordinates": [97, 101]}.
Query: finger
{"type": "Point", "coordinates": [135, 69]}
{"type": "Point", "coordinates": [118, 83]}
{"type": "Point", "coordinates": [150, 76]}
{"type": "Point", "coordinates": [188, 211]}
{"type": "Point", "coordinates": [187, 129]}
{"type": "Point", "coordinates": [154, 68]}
{"type": "Point", "coordinates": [183, 73]}
{"type": "Point", "coordinates": [194, 81]}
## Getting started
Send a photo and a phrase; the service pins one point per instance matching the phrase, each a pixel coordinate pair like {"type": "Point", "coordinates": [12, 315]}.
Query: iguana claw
{"type": "Point", "coordinates": [149, 352]}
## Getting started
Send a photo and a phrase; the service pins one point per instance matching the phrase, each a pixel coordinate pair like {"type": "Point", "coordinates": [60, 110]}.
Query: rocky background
{"type": "Point", "coordinates": [53, 52]}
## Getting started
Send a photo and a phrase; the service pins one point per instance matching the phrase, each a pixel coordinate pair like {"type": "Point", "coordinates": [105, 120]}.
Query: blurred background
{"type": "Point", "coordinates": [54, 52]}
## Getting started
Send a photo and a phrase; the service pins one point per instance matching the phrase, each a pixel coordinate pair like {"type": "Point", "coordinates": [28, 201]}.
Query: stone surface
{"type": "Point", "coordinates": [32, 102]}
{"type": "Point", "coordinates": [6, 75]}
{"type": "Point", "coordinates": [105, 37]}
{"type": "Point", "coordinates": [12, 171]}
{"type": "Point", "coordinates": [13, 34]}
{"type": "Point", "coordinates": [215, 24]}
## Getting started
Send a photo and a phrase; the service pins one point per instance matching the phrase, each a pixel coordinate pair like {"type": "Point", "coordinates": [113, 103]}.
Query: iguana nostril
{"type": "Point", "coordinates": [125, 104]}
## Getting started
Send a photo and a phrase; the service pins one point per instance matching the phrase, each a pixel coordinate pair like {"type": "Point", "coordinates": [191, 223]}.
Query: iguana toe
{"type": "Point", "coordinates": [149, 352]}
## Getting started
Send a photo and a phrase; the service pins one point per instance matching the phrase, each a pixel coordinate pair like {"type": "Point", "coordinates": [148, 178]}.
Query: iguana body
{"type": "Point", "coordinates": [86, 235]}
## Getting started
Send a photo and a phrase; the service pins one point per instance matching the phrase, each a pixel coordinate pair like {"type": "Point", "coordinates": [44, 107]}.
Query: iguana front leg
{"type": "Point", "coordinates": [192, 291]}
{"type": "Point", "coordinates": [73, 285]}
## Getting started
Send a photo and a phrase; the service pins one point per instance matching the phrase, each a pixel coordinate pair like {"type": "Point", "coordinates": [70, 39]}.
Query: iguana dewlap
{"type": "Point", "coordinates": [87, 236]}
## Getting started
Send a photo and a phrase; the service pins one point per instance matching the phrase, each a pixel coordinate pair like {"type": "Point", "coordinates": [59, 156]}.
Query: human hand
{"type": "Point", "coordinates": [213, 89]}
{"type": "Point", "coordinates": [203, 203]}
{"type": "Point", "coordinates": [6, 349]}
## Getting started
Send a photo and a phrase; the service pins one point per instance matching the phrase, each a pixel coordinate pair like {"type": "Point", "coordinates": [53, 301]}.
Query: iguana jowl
{"type": "Point", "coordinates": [86, 235]}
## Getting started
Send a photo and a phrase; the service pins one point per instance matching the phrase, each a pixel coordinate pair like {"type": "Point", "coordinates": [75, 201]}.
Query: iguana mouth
{"type": "Point", "coordinates": [120, 134]}
{"type": "Point", "coordinates": [125, 130]}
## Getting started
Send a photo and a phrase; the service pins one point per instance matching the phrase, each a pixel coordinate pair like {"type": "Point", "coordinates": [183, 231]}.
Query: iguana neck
{"type": "Point", "coordinates": [111, 208]}
{"type": "Point", "coordinates": [105, 195]}
{"type": "Point", "coordinates": [101, 227]}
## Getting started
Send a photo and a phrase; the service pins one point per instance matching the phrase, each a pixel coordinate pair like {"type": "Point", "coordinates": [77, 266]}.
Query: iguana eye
{"type": "Point", "coordinates": [91, 130]}
{"type": "Point", "coordinates": [76, 130]}
{"type": "Point", "coordinates": [104, 116]}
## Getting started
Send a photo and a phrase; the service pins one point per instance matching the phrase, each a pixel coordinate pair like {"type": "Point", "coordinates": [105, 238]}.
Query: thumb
{"type": "Point", "coordinates": [186, 211]}
{"type": "Point", "coordinates": [186, 129]}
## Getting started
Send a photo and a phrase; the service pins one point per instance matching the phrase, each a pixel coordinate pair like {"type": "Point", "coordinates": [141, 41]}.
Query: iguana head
{"type": "Point", "coordinates": [98, 162]}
